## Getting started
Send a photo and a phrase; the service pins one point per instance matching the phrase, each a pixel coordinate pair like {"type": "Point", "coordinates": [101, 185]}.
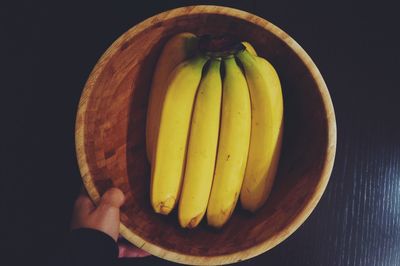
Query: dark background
{"type": "Point", "coordinates": [48, 50]}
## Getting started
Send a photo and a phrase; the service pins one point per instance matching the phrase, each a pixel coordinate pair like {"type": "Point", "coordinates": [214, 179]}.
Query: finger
{"type": "Point", "coordinates": [107, 213]}
{"type": "Point", "coordinates": [113, 197]}
{"type": "Point", "coordinates": [83, 204]}
{"type": "Point", "coordinates": [127, 250]}
{"type": "Point", "coordinates": [82, 208]}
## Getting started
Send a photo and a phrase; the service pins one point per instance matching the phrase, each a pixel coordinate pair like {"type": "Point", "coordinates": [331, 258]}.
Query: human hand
{"type": "Point", "coordinates": [105, 217]}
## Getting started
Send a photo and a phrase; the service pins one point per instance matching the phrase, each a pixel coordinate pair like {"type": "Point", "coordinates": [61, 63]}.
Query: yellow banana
{"type": "Point", "coordinates": [233, 145]}
{"type": "Point", "coordinates": [266, 130]}
{"type": "Point", "coordinates": [202, 148]}
{"type": "Point", "coordinates": [250, 48]}
{"type": "Point", "coordinates": [178, 49]}
{"type": "Point", "coordinates": [169, 154]}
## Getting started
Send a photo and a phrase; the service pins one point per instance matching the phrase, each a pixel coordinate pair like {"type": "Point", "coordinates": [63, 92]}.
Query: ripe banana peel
{"type": "Point", "coordinates": [266, 130]}
{"type": "Point", "coordinates": [202, 148]}
{"type": "Point", "coordinates": [233, 145]}
{"type": "Point", "coordinates": [169, 155]}
{"type": "Point", "coordinates": [177, 49]}
{"type": "Point", "coordinates": [212, 137]}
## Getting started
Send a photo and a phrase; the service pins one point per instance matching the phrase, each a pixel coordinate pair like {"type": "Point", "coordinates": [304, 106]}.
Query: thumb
{"type": "Point", "coordinates": [112, 198]}
{"type": "Point", "coordinates": [106, 216]}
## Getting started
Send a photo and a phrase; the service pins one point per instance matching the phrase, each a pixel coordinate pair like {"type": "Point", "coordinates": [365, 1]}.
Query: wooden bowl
{"type": "Point", "coordinates": [110, 138]}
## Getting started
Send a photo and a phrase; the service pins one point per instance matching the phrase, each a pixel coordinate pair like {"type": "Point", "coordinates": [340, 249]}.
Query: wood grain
{"type": "Point", "coordinates": [110, 138]}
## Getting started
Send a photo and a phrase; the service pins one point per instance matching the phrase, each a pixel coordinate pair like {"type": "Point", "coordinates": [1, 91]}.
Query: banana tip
{"type": "Point", "coordinates": [165, 207]}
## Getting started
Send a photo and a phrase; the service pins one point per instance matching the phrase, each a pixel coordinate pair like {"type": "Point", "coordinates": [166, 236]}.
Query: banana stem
{"type": "Point", "coordinates": [220, 46]}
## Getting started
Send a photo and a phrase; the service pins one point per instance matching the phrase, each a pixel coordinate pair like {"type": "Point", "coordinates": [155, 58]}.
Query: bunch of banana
{"type": "Point", "coordinates": [214, 130]}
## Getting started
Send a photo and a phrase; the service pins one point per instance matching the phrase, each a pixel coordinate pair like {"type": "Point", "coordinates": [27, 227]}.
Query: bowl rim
{"type": "Point", "coordinates": [330, 152]}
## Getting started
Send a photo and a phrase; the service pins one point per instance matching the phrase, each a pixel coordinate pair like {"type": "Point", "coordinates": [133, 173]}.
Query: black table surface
{"type": "Point", "coordinates": [48, 50]}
